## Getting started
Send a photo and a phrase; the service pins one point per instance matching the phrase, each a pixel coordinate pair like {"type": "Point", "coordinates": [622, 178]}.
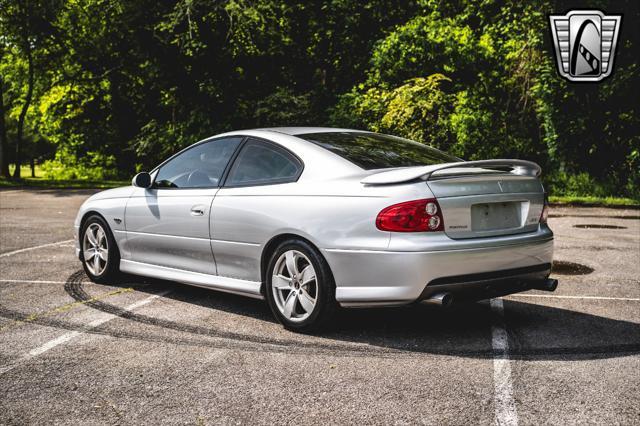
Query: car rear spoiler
{"type": "Point", "coordinates": [406, 174]}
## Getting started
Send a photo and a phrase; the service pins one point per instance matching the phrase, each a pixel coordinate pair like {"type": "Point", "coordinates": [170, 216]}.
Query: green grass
{"type": "Point", "coordinates": [594, 201]}
{"type": "Point", "coordinates": [26, 181]}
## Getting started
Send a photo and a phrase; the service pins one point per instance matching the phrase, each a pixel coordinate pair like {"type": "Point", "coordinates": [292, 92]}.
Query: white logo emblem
{"type": "Point", "coordinates": [585, 43]}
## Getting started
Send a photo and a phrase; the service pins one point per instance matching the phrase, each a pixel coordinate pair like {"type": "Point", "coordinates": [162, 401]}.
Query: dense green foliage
{"type": "Point", "coordinates": [102, 88]}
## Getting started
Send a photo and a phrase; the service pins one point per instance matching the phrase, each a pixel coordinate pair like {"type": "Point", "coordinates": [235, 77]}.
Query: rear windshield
{"type": "Point", "coordinates": [376, 151]}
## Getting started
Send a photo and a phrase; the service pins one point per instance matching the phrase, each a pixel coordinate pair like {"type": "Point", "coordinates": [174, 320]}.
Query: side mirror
{"type": "Point", "coordinates": [141, 180]}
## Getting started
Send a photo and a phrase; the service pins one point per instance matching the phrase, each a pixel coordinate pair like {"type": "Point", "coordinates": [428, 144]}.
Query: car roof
{"type": "Point", "coordinates": [294, 131]}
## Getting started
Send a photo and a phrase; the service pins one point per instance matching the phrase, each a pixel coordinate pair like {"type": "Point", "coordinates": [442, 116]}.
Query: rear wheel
{"type": "Point", "coordinates": [300, 287]}
{"type": "Point", "coordinates": [99, 252]}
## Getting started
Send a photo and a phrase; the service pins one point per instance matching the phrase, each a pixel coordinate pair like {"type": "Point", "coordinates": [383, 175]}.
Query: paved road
{"type": "Point", "coordinates": [148, 351]}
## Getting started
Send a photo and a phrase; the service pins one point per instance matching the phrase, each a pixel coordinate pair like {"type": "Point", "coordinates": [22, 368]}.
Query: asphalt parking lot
{"type": "Point", "coordinates": [147, 351]}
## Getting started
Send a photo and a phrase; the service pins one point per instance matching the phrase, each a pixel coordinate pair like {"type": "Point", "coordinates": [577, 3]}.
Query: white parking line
{"type": "Point", "coordinates": [73, 334]}
{"type": "Point", "coordinates": [505, 406]}
{"type": "Point", "coordinates": [557, 296]}
{"type": "Point", "coordinates": [33, 281]}
{"type": "Point", "coordinates": [11, 253]}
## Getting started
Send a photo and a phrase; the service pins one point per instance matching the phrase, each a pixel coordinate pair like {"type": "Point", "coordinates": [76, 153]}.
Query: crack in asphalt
{"type": "Point", "coordinates": [62, 308]}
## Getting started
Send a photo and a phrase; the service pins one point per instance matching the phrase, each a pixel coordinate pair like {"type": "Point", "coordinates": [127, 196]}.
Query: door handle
{"type": "Point", "coordinates": [197, 211]}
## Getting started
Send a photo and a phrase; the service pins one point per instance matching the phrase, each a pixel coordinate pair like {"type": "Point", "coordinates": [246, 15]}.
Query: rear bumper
{"type": "Point", "coordinates": [387, 278]}
{"type": "Point", "coordinates": [488, 284]}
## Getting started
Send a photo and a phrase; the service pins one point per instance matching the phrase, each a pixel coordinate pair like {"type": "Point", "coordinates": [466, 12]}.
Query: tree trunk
{"type": "Point", "coordinates": [23, 112]}
{"type": "Point", "coordinates": [4, 143]}
{"type": "Point", "coordinates": [123, 120]}
{"type": "Point", "coordinates": [32, 163]}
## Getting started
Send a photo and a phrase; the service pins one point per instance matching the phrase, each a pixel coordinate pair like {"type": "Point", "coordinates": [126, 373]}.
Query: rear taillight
{"type": "Point", "coordinates": [545, 210]}
{"type": "Point", "coordinates": [411, 216]}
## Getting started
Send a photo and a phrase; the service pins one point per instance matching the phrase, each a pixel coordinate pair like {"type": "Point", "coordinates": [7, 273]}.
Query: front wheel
{"type": "Point", "coordinates": [300, 289]}
{"type": "Point", "coordinates": [99, 252]}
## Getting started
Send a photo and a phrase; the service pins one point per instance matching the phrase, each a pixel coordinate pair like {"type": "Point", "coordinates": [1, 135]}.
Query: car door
{"type": "Point", "coordinates": [243, 213]}
{"type": "Point", "coordinates": [168, 223]}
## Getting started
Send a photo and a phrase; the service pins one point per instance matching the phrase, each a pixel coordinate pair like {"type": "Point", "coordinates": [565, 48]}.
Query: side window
{"type": "Point", "coordinates": [260, 163]}
{"type": "Point", "coordinates": [198, 167]}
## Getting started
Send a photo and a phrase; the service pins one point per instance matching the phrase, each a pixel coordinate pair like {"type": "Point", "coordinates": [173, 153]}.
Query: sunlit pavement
{"type": "Point", "coordinates": [151, 351]}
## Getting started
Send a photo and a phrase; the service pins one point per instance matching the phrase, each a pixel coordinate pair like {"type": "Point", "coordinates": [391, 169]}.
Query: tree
{"type": "Point", "coordinates": [4, 143]}
{"type": "Point", "coordinates": [505, 97]}
{"type": "Point", "coordinates": [116, 86]}
{"type": "Point", "coordinates": [25, 25]}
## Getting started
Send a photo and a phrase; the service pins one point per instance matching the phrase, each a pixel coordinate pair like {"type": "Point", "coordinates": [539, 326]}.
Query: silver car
{"type": "Point", "coordinates": [316, 218]}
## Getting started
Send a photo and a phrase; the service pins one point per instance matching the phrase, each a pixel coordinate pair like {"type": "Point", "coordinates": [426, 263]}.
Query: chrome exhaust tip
{"type": "Point", "coordinates": [550, 284]}
{"type": "Point", "coordinates": [444, 300]}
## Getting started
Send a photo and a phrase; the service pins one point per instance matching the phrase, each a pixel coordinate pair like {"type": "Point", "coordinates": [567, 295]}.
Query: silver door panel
{"type": "Point", "coordinates": [163, 230]}
{"type": "Point", "coordinates": [189, 254]}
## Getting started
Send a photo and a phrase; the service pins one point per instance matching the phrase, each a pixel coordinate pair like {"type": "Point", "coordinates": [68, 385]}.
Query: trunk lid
{"type": "Point", "coordinates": [488, 204]}
{"type": "Point", "coordinates": [478, 199]}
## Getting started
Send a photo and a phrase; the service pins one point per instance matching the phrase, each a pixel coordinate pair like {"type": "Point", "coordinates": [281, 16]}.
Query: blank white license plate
{"type": "Point", "coordinates": [494, 216]}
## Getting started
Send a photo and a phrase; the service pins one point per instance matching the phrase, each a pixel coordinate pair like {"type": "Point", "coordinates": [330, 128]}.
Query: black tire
{"type": "Point", "coordinates": [111, 271]}
{"type": "Point", "coordinates": [325, 305]}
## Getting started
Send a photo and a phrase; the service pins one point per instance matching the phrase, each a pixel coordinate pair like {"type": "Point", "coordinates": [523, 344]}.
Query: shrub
{"type": "Point", "coordinates": [576, 185]}
{"type": "Point", "coordinates": [93, 166]}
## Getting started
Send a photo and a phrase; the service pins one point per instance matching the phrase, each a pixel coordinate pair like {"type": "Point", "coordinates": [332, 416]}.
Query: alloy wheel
{"type": "Point", "coordinates": [294, 286]}
{"type": "Point", "coordinates": [95, 247]}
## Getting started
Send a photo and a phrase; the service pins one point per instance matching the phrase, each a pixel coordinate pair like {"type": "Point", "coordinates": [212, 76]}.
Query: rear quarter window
{"type": "Point", "coordinates": [263, 163]}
